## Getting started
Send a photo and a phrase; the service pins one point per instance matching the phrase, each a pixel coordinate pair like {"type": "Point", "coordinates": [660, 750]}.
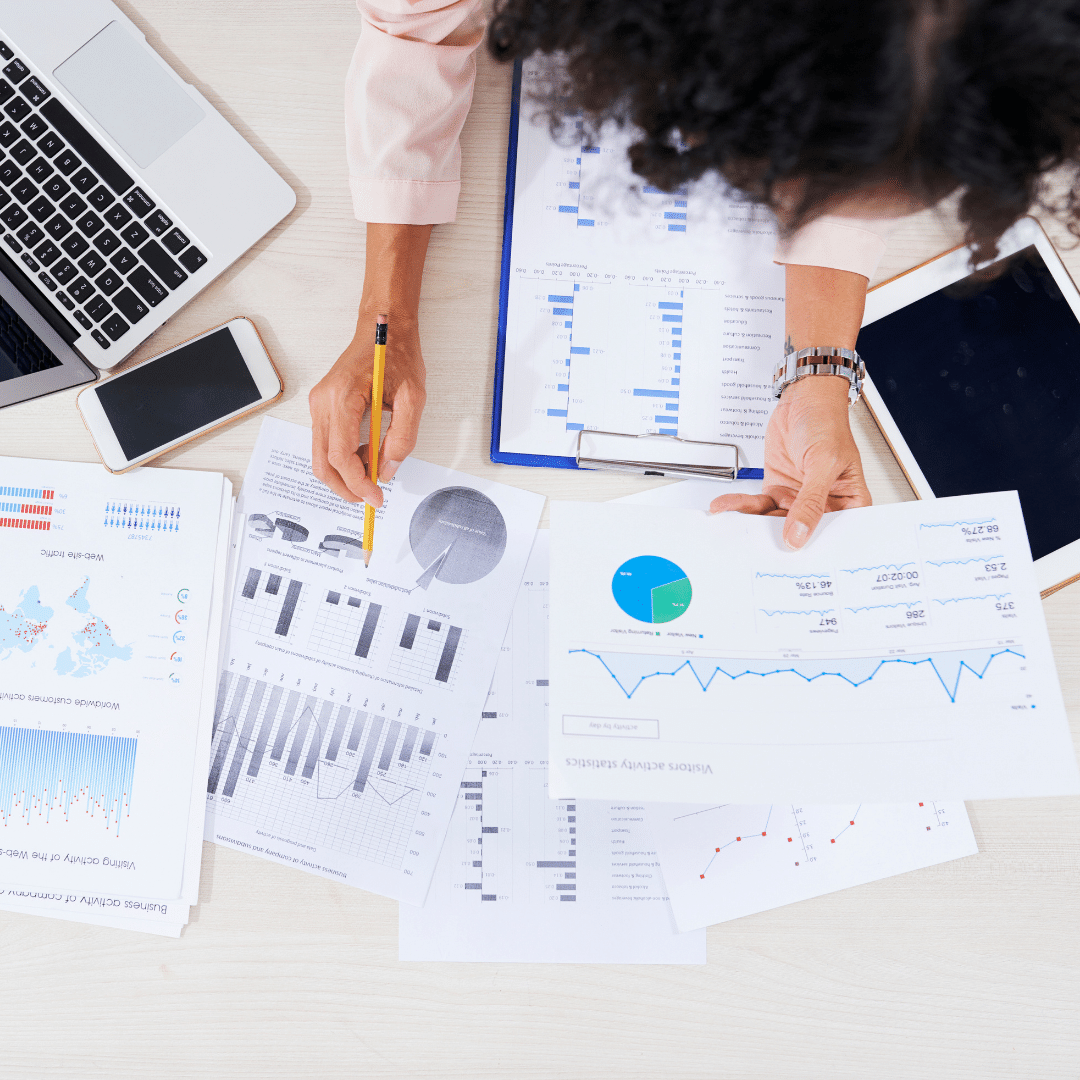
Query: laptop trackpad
{"type": "Point", "coordinates": [118, 81]}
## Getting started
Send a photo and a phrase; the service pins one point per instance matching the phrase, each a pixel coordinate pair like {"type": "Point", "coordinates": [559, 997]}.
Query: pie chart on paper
{"type": "Point", "coordinates": [651, 589]}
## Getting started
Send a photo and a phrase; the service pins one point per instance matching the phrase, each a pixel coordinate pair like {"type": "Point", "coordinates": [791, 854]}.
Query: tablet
{"type": "Point", "coordinates": [974, 380]}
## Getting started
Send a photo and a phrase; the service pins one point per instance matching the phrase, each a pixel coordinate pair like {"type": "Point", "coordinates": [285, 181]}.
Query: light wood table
{"type": "Point", "coordinates": [971, 969]}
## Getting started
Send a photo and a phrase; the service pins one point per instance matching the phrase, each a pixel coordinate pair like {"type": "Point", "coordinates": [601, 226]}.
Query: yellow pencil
{"type": "Point", "coordinates": [377, 367]}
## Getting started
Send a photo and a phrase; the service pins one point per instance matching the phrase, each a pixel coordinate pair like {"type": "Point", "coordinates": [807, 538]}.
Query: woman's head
{"type": "Point", "coordinates": [816, 106]}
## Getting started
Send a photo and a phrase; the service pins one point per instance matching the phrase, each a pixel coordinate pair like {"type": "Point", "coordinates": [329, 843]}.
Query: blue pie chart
{"type": "Point", "coordinates": [651, 589]}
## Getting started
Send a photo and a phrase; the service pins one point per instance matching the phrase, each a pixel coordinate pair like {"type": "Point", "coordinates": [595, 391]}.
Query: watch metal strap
{"type": "Point", "coordinates": [821, 360]}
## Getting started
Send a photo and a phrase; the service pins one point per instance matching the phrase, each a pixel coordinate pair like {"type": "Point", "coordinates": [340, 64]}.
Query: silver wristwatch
{"type": "Point", "coordinates": [821, 360]}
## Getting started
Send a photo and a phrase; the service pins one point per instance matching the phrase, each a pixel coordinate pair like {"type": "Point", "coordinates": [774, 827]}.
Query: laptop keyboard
{"type": "Point", "coordinates": [102, 247]}
{"type": "Point", "coordinates": [21, 350]}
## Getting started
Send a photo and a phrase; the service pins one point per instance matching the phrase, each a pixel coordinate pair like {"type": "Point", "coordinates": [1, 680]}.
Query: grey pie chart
{"type": "Point", "coordinates": [457, 535]}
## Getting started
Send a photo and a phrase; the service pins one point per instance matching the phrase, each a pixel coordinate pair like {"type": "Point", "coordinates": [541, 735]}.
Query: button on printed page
{"type": "Point", "coordinates": [611, 727]}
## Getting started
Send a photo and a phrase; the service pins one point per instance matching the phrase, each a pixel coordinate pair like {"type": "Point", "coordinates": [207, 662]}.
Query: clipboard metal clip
{"type": "Point", "coordinates": [657, 455]}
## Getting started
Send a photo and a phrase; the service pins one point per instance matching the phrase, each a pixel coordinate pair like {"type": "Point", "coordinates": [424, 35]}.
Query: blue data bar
{"type": "Point", "coordinates": [563, 387]}
{"type": "Point", "coordinates": [672, 318]}
{"type": "Point", "coordinates": [575, 427]}
{"type": "Point", "coordinates": [586, 221]}
{"type": "Point", "coordinates": [657, 393]}
{"type": "Point", "coordinates": [568, 209]}
{"type": "Point", "coordinates": [561, 299]}
{"type": "Point", "coordinates": [676, 228]}
{"type": "Point", "coordinates": [668, 431]}
{"type": "Point", "coordinates": [556, 412]}
{"type": "Point", "coordinates": [581, 350]}
{"type": "Point", "coordinates": [680, 202]}
{"type": "Point", "coordinates": [672, 406]}
{"type": "Point", "coordinates": [574, 184]}
{"type": "Point", "coordinates": [669, 305]}
{"type": "Point", "coordinates": [561, 310]}
{"type": "Point", "coordinates": [677, 367]}
{"type": "Point", "coordinates": [674, 382]}
{"type": "Point", "coordinates": [674, 215]}
{"type": "Point", "coordinates": [590, 150]}
{"type": "Point", "coordinates": [650, 190]}
{"type": "Point", "coordinates": [664, 419]}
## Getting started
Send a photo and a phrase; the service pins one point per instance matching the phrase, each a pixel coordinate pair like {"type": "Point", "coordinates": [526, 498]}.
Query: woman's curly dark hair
{"type": "Point", "coordinates": [838, 95]}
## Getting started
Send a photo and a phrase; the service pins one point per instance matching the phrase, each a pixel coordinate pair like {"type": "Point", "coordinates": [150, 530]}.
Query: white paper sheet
{"type": "Point", "coordinates": [902, 655]}
{"type": "Point", "coordinates": [691, 494]}
{"type": "Point", "coordinates": [724, 862]}
{"type": "Point", "coordinates": [104, 630]}
{"type": "Point", "coordinates": [349, 697]}
{"type": "Point", "coordinates": [522, 879]}
{"type": "Point", "coordinates": [631, 310]}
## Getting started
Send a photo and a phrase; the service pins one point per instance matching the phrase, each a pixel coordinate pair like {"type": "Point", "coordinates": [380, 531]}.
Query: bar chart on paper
{"type": "Point", "coordinates": [317, 771]}
{"type": "Point", "coordinates": [268, 603]}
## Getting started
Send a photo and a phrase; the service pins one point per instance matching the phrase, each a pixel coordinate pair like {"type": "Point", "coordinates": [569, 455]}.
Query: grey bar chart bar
{"type": "Point", "coordinates": [292, 594]}
{"type": "Point", "coordinates": [408, 635]}
{"type": "Point", "coordinates": [228, 727]}
{"type": "Point", "coordinates": [433, 624]}
{"type": "Point", "coordinates": [251, 584]}
{"type": "Point", "coordinates": [285, 726]}
{"type": "Point", "coordinates": [307, 714]}
{"type": "Point", "coordinates": [556, 865]}
{"type": "Point", "coordinates": [446, 661]}
{"type": "Point", "coordinates": [407, 745]}
{"type": "Point", "coordinates": [339, 730]}
{"type": "Point", "coordinates": [368, 755]}
{"type": "Point", "coordinates": [357, 730]}
{"type": "Point", "coordinates": [368, 632]}
{"type": "Point", "coordinates": [355, 601]}
{"type": "Point", "coordinates": [316, 740]}
{"type": "Point", "coordinates": [333, 598]}
{"type": "Point", "coordinates": [389, 745]}
{"type": "Point", "coordinates": [264, 731]}
{"type": "Point", "coordinates": [245, 739]}
{"type": "Point", "coordinates": [428, 743]}
{"type": "Point", "coordinates": [273, 583]}
{"type": "Point", "coordinates": [222, 695]}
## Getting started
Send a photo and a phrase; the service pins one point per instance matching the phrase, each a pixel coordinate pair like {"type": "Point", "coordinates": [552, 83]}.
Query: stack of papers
{"type": "Point", "coordinates": [111, 608]}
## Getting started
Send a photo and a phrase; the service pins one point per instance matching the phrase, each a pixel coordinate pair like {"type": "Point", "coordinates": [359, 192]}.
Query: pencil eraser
{"type": "Point", "coordinates": [380, 319]}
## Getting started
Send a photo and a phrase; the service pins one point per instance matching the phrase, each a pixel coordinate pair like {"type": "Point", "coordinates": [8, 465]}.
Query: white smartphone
{"type": "Point", "coordinates": [166, 401]}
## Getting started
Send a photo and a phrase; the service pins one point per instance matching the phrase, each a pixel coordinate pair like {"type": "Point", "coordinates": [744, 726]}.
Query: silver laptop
{"type": "Point", "coordinates": [123, 193]}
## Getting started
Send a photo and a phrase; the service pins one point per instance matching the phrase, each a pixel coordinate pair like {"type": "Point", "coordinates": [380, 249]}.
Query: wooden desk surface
{"type": "Point", "coordinates": [967, 970]}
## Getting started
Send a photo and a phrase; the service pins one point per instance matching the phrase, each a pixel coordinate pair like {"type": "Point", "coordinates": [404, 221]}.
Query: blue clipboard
{"type": "Point", "coordinates": [545, 461]}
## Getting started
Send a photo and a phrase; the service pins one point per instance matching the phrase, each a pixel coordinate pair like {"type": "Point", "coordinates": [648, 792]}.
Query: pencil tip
{"type": "Point", "coordinates": [367, 558]}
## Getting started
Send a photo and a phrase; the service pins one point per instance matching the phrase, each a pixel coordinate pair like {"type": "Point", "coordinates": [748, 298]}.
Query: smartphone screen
{"type": "Point", "coordinates": [181, 392]}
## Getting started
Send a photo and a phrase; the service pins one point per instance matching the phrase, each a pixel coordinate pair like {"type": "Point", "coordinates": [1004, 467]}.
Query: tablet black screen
{"type": "Point", "coordinates": [983, 381]}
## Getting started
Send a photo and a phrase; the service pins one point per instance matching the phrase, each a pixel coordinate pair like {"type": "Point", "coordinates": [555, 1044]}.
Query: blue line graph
{"type": "Point", "coordinates": [874, 607]}
{"type": "Point", "coordinates": [45, 771]}
{"type": "Point", "coordinates": [851, 821]}
{"type": "Point", "coordinates": [953, 524]}
{"type": "Point", "coordinates": [806, 611]}
{"type": "Point", "coordinates": [880, 566]}
{"type": "Point", "coordinates": [962, 562]}
{"type": "Point", "coordinates": [739, 839]}
{"type": "Point", "coordinates": [797, 577]}
{"type": "Point", "coordinates": [630, 671]}
{"type": "Point", "coordinates": [961, 599]}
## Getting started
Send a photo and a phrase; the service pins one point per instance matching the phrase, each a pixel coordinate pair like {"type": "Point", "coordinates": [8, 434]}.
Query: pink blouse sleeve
{"type": "Point", "coordinates": [840, 243]}
{"type": "Point", "coordinates": [408, 92]}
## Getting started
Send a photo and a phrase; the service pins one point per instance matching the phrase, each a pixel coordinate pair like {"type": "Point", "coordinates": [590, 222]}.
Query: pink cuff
{"type": "Point", "coordinates": [405, 202]}
{"type": "Point", "coordinates": [852, 244]}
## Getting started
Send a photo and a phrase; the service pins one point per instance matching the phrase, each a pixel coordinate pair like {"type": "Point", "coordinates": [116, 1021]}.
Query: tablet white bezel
{"type": "Point", "coordinates": [1060, 567]}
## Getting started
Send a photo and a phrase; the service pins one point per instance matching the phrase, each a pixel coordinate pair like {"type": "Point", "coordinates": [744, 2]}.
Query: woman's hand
{"type": "Point", "coordinates": [393, 271]}
{"type": "Point", "coordinates": [812, 464]}
{"type": "Point", "coordinates": [338, 402]}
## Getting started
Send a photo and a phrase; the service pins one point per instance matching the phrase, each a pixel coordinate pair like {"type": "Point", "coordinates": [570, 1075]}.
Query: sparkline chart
{"type": "Point", "coordinates": [49, 776]}
{"type": "Point", "coordinates": [630, 671]}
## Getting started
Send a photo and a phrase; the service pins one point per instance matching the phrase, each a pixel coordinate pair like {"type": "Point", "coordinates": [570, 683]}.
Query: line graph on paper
{"type": "Point", "coordinates": [950, 671]}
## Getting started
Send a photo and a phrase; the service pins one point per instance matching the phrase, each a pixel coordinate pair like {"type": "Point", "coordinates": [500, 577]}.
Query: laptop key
{"type": "Point", "coordinates": [115, 327]}
{"type": "Point", "coordinates": [100, 198]}
{"type": "Point", "coordinates": [109, 282]}
{"type": "Point", "coordinates": [40, 209]}
{"type": "Point", "coordinates": [23, 190]}
{"type": "Point", "coordinates": [6, 90]}
{"type": "Point", "coordinates": [107, 242]}
{"type": "Point", "coordinates": [9, 173]}
{"type": "Point", "coordinates": [66, 162]}
{"type": "Point", "coordinates": [56, 188]}
{"type": "Point", "coordinates": [124, 261]}
{"type": "Point", "coordinates": [17, 109]}
{"type": "Point", "coordinates": [5, 50]}
{"type": "Point", "coordinates": [23, 151]}
{"type": "Point", "coordinates": [12, 243]}
{"type": "Point", "coordinates": [158, 222]}
{"type": "Point", "coordinates": [140, 203]}
{"type": "Point", "coordinates": [154, 255]}
{"type": "Point", "coordinates": [100, 338]}
{"type": "Point", "coordinates": [132, 308]}
{"type": "Point", "coordinates": [134, 234]}
{"type": "Point", "coordinates": [147, 286]}
{"type": "Point", "coordinates": [33, 127]}
{"type": "Point", "coordinates": [73, 206]}
{"type": "Point", "coordinates": [50, 144]}
{"type": "Point", "coordinates": [8, 133]}
{"type": "Point", "coordinates": [47, 253]}
{"type": "Point", "coordinates": [40, 170]}
{"type": "Point", "coordinates": [117, 216]}
{"type": "Point", "coordinates": [88, 224]}
{"type": "Point", "coordinates": [82, 320]}
{"type": "Point", "coordinates": [16, 71]}
{"type": "Point", "coordinates": [13, 216]}
{"type": "Point", "coordinates": [175, 241]}
{"type": "Point", "coordinates": [65, 300]}
{"type": "Point", "coordinates": [64, 271]}
{"type": "Point", "coordinates": [84, 180]}
{"type": "Point", "coordinates": [30, 234]}
{"type": "Point", "coordinates": [47, 281]}
{"type": "Point", "coordinates": [80, 290]}
{"type": "Point", "coordinates": [5, 198]}
{"type": "Point", "coordinates": [92, 263]}
{"type": "Point", "coordinates": [75, 245]}
{"type": "Point", "coordinates": [34, 91]}
{"type": "Point", "coordinates": [57, 227]}
{"type": "Point", "coordinates": [98, 308]}
{"type": "Point", "coordinates": [29, 261]}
